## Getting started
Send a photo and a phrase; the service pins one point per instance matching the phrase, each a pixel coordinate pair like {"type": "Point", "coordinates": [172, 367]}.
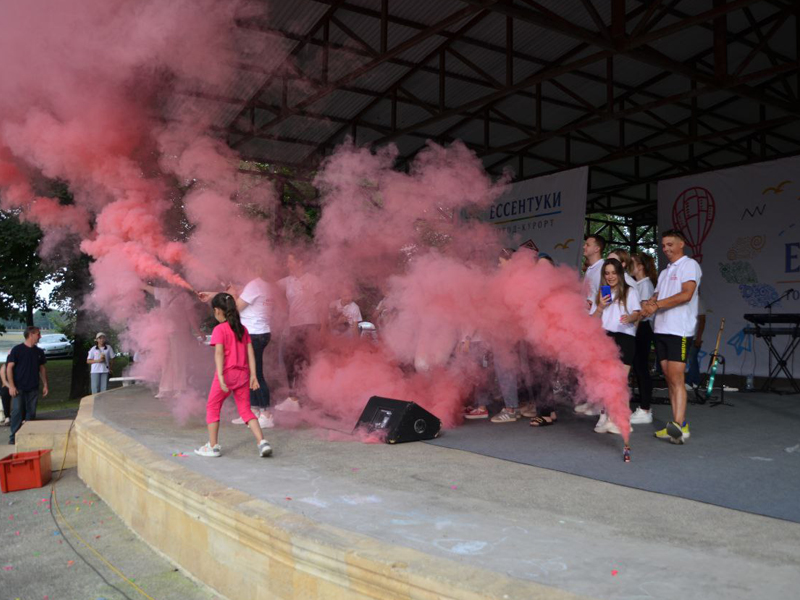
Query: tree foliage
{"type": "Point", "coordinates": [21, 268]}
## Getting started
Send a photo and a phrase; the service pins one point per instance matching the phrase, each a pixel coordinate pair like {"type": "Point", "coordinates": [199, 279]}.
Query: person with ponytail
{"type": "Point", "coordinates": [235, 374]}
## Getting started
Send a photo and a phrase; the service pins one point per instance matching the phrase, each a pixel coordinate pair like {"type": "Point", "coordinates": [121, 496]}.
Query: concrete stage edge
{"type": "Point", "coordinates": [246, 548]}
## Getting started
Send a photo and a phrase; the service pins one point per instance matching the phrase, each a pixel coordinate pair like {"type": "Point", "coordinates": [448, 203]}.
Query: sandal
{"type": "Point", "coordinates": [541, 422]}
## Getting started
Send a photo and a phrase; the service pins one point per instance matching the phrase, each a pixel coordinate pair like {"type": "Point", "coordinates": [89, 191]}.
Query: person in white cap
{"type": "Point", "coordinates": [100, 357]}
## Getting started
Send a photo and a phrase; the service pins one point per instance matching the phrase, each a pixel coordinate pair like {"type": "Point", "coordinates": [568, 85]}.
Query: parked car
{"type": "Point", "coordinates": [55, 345]}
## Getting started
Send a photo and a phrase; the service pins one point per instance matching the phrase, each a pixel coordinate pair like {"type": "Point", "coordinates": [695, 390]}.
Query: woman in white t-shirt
{"type": "Point", "coordinates": [619, 312]}
{"type": "Point", "coordinates": [644, 271]}
{"type": "Point", "coordinates": [100, 357]}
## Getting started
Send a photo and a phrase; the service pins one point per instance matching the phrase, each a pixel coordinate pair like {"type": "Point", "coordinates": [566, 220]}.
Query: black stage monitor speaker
{"type": "Point", "coordinates": [402, 421]}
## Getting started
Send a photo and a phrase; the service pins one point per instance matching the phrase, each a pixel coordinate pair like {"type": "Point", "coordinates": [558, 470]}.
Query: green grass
{"type": "Point", "coordinates": [59, 378]}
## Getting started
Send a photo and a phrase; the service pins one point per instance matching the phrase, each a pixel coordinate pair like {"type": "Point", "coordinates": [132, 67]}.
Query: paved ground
{"type": "Point", "coordinates": [41, 558]}
{"type": "Point", "coordinates": [585, 536]}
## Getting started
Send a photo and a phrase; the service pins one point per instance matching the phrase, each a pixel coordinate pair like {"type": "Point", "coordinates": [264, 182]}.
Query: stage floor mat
{"type": "Point", "coordinates": [745, 457]}
{"type": "Point", "coordinates": [496, 519]}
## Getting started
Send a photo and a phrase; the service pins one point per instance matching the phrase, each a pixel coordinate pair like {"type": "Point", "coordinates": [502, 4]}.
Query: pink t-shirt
{"type": "Point", "coordinates": [235, 350]}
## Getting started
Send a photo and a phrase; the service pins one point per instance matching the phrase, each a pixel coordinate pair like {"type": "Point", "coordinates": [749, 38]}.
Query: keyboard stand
{"type": "Point", "coordinates": [782, 365]}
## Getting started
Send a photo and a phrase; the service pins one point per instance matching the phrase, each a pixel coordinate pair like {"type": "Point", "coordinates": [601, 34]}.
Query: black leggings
{"type": "Point", "coordinates": [641, 364]}
{"type": "Point", "coordinates": [297, 351]}
{"type": "Point", "coordinates": [6, 395]}
{"type": "Point", "coordinates": [260, 398]}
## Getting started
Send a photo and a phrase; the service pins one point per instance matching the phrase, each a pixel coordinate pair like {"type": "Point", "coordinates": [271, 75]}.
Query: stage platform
{"type": "Point", "coordinates": [338, 519]}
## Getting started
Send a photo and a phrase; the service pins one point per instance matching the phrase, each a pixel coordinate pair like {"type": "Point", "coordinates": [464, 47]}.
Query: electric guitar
{"type": "Point", "coordinates": [705, 392]}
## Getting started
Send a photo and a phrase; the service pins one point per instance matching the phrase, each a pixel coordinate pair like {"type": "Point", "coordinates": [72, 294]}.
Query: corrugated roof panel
{"type": "Point", "coordinates": [296, 17]}
{"type": "Point", "coordinates": [306, 129]}
{"type": "Point", "coordinates": [269, 149]}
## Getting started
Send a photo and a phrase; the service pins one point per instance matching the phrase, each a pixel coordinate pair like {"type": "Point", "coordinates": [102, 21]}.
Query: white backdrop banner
{"type": "Point", "coordinates": [743, 225]}
{"type": "Point", "coordinates": [546, 212]}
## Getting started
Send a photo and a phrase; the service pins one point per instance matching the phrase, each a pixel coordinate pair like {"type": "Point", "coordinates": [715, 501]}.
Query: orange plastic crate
{"type": "Point", "coordinates": [25, 470]}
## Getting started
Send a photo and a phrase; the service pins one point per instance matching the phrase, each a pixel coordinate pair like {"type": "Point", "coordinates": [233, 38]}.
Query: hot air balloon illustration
{"type": "Point", "coordinates": [693, 215]}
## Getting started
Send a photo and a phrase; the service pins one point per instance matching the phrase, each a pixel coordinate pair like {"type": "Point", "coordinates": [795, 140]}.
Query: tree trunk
{"type": "Point", "coordinates": [30, 302]}
{"type": "Point", "coordinates": [79, 386]}
{"type": "Point", "coordinates": [80, 279]}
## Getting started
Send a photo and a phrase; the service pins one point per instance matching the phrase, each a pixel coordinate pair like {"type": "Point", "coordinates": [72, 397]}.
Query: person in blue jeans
{"type": "Point", "coordinates": [100, 357]}
{"type": "Point", "coordinates": [25, 369]}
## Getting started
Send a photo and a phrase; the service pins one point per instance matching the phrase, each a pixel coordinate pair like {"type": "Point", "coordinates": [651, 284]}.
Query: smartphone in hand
{"type": "Point", "coordinates": [605, 290]}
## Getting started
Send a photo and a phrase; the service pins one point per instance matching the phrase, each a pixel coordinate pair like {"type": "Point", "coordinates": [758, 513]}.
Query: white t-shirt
{"type": "Point", "coordinates": [679, 320]}
{"type": "Point", "coordinates": [645, 288]}
{"type": "Point", "coordinates": [350, 311]}
{"type": "Point", "coordinates": [612, 313]}
{"type": "Point", "coordinates": [256, 315]}
{"type": "Point", "coordinates": [96, 353]}
{"type": "Point", "coordinates": [301, 294]}
{"type": "Point", "coordinates": [591, 279]}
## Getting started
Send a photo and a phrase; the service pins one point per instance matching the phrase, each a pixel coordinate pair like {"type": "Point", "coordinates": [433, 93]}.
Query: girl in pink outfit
{"type": "Point", "coordinates": [236, 374]}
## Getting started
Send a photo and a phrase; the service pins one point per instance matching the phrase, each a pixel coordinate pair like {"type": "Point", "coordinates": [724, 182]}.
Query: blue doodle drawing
{"type": "Point", "coordinates": [758, 296]}
{"type": "Point", "coordinates": [742, 342]}
{"type": "Point", "coordinates": [785, 230]}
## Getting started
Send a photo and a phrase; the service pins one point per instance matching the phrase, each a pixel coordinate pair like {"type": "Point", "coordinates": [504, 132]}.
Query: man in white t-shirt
{"type": "Point", "coordinates": [593, 247]}
{"type": "Point", "coordinates": [674, 304]}
{"type": "Point", "coordinates": [345, 315]}
{"type": "Point", "coordinates": [593, 253]}
{"type": "Point", "coordinates": [304, 296]}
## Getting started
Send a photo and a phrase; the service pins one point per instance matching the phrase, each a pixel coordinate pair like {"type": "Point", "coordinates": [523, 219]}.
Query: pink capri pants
{"type": "Point", "coordinates": [238, 383]}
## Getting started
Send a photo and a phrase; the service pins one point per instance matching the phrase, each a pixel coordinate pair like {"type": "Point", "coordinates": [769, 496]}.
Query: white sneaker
{"type": "Point", "coordinates": [264, 449]}
{"type": "Point", "coordinates": [289, 405]}
{"type": "Point", "coordinates": [641, 417]}
{"type": "Point", "coordinates": [238, 421]}
{"type": "Point", "coordinates": [609, 427]}
{"type": "Point", "coordinates": [581, 408]}
{"type": "Point", "coordinates": [727, 388]}
{"type": "Point", "coordinates": [208, 451]}
{"type": "Point", "coordinates": [265, 421]}
{"type": "Point", "coordinates": [690, 387]}
{"type": "Point", "coordinates": [601, 423]}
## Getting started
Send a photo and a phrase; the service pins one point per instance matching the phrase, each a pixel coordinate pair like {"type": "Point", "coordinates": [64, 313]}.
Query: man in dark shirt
{"type": "Point", "coordinates": [24, 368]}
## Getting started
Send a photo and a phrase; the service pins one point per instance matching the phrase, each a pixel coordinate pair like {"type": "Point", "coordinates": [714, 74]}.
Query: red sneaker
{"type": "Point", "coordinates": [478, 412]}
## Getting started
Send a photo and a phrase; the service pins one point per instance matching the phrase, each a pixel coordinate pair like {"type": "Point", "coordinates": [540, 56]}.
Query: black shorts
{"type": "Point", "coordinates": [672, 347]}
{"type": "Point", "coordinates": [626, 344]}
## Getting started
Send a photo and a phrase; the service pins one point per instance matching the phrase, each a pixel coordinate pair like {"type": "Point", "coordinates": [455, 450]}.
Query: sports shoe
{"type": "Point", "coordinates": [600, 427]}
{"type": "Point", "coordinates": [727, 388]}
{"type": "Point", "coordinates": [238, 421]}
{"type": "Point", "coordinates": [641, 417]}
{"type": "Point", "coordinates": [690, 387]}
{"type": "Point", "coordinates": [507, 415]}
{"type": "Point", "coordinates": [477, 412]}
{"type": "Point", "coordinates": [581, 408]}
{"type": "Point", "coordinates": [264, 449]}
{"type": "Point", "coordinates": [675, 432]}
{"type": "Point", "coordinates": [208, 451]}
{"type": "Point", "coordinates": [265, 421]}
{"type": "Point", "coordinates": [609, 427]}
{"type": "Point", "coordinates": [662, 434]}
{"type": "Point", "coordinates": [528, 411]}
{"type": "Point", "coordinates": [593, 410]}
{"type": "Point", "coordinates": [289, 405]}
